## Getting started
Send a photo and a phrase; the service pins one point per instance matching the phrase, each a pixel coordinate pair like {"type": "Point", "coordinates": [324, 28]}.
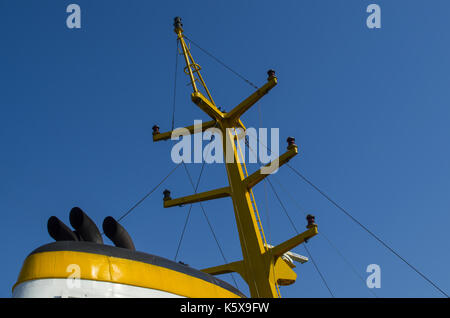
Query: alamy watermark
{"type": "Point", "coordinates": [374, 279]}
{"type": "Point", "coordinates": [73, 20]}
{"type": "Point", "coordinates": [373, 21]}
{"type": "Point", "coordinates": [190, 148]}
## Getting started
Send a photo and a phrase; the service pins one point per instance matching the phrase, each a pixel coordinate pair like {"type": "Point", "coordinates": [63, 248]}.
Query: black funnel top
{"type": "Point", "coordinates": [59, 231]}
{"type": "Point", "coordinates": [117, 233]}
{"type": "Point", "coordinates": [84, 226]}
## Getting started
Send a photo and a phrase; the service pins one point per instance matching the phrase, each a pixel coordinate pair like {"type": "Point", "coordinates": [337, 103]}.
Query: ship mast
{"type": "Point", "coordinates": [262, 266]}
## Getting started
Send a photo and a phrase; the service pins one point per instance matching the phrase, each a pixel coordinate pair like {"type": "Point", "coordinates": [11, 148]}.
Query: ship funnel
{"type": "Point", "coordinates": [84, 226]}
{"type": "Point", "coordinates": [59, 231]}
{"type": "Point", "coordinates": [117, 233]}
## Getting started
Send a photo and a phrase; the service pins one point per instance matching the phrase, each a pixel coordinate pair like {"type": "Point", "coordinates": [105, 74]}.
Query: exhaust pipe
{"type": "Point", "coordinates": [59, 231]}
{"type": "Point", "coordinates": [84, 226]}
{"type": "Point", "coordinates": [117, 233]}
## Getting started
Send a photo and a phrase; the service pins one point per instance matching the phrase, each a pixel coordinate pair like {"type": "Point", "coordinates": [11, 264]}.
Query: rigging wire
{"type": "Point", "coordinates": [266, 201]}
{"type": "Point", "coordinates": [326, 238]}
{"type": "Point", "coordinates": [268, 226]}
{"type": "Point", "coordinates": [189, 212]}
{"type": "Point", "coordinates": [175, 87]}
{"type": "Point", "coordinates": [321, 192]}
{"type": "Point", "coordinates": [256, 212]}
{"type": "Point", "coordinates": [209, 224]}
{"type": "Point", "coordinates": [361, 225]}
{"type": "Point", "coordinates": [190, 207]}
{"type": "Point", "coordinates": [348, 263]}
{"type": "Point", "coordinates": [265, 196]}
{"type": "Point", "coordinates": [367, 230]}
{"type": "Point", "coordinates": [220, 62]}
{"type": "Point", "coordinates": [317, 269]}
{"type": "Point", "coordinates": [296, 231]}
{"type": "Point", "coordinates": [307, 250]}
{"type": "Point", "coordinates": [147, 195]}
{"type": "Point", "coordinates": [252, 197]}
{"type": "Point", "coordinates": [187, 171]}
{"type": "Point", "coordinates": [265, 183]}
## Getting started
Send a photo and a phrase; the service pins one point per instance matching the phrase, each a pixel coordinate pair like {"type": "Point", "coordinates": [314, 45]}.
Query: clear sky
{"type": "Point", "coordinates": [369, 109]}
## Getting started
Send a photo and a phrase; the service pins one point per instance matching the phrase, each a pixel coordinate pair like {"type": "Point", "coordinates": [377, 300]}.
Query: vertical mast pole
{"type": "Point", "coordinates": [258, 266]}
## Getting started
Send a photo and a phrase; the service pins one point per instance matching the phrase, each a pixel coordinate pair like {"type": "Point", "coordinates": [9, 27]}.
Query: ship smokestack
{"type": "Point", "coordinates": [84, 226]}
{"type": "Point", "coordinates": [117, 233]}
{"type": "Point", "coordinates": [59, 231]}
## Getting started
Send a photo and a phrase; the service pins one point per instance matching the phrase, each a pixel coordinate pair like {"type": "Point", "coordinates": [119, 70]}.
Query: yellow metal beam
{"type": "Point", "coordinates": [284, 247]}
{"type": "Point", "coordinates": [200, 77]}
{"type": "Point", "coordinates": [257, 267]}
{"type": "Point", "coordinates": [199, 197]}
{"type": "Point", "coordinates": [168, 135]}
{"type": "Point", "coordinates": [205, 105]}
{"type": "Point", "coordinates": [179, 32]}
{"type": "Point", "coordinates": [240, 109]}
{"type": "Point", "coordinates": [237, 267]}
{"type": "Point", "coordinates": [265, 171]}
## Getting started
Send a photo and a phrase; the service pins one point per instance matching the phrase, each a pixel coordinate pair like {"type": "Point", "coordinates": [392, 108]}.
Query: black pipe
{"type": "Point", "coordinates": [117, 233]}
{"type": "Point", "coordinates": [59, 231]}
{"type": "Point", "coordinates": [84, 226]}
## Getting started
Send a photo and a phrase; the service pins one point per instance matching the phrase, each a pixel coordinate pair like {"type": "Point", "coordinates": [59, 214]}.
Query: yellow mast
{"type": "Point", "coordinates": [262, 266]}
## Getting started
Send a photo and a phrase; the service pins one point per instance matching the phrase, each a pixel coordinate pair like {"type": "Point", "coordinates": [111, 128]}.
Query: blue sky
{"type": "Point", "coordinates": [369, 110]}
